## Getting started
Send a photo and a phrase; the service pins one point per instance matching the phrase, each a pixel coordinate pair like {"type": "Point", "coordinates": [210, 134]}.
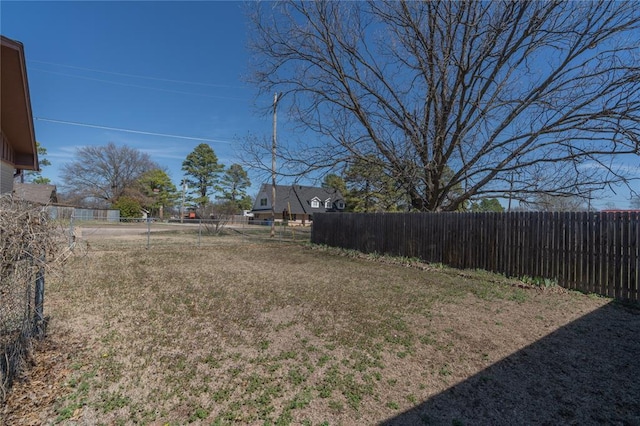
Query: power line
{"type": "Point", "coordinates": [137, 85]}
{"type": "Point", "coordinates": [119, 129]}
{"type": "Point", "coordinates": [139, 76]}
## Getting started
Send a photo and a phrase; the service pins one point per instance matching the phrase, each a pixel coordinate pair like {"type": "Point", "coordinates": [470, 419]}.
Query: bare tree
{"type": "Point", "coordinates": [105, 172]}
{"type": "Point", "coordinates": [217, 216]}
{"type": "Point", "coordinates": [501, 99]}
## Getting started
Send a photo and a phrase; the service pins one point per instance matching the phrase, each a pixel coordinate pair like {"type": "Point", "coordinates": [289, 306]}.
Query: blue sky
{"type": "Point", "coordinates": [173, 68]}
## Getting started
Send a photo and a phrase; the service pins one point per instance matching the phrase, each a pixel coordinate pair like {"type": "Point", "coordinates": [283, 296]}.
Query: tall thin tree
{"type": "Point", "coordinates": [202, 171]}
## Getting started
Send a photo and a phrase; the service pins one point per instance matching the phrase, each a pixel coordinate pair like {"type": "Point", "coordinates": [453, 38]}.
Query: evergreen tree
{"type": "Point", "coordinates": [234, 184]}
{"type": "Point", "coordinates": [202, 172]}
{"type": "Point", "coordinates": [36, 177]}
{"type": "Point", "coordinates": [370, 189]}
{"type": "Point", "coordinates": [158, 190]}
{"type": "Point", "coordinates": [487, 205]}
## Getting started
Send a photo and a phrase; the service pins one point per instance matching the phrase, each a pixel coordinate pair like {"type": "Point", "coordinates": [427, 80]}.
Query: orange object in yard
{"type": "Point", "coordinates": [192, 215]}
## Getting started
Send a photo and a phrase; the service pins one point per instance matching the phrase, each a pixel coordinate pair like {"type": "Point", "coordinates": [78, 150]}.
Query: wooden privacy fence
{"type": "Point", "coordinates": [589, 252]}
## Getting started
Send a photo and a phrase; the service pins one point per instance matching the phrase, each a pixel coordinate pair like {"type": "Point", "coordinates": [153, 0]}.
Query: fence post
{"type": "Point", "coordinates": [71, 237]}
{"type": "Point", "coordinates": [199, 231]}
{"type": "Point", "coordinates": [39, 323]}
{"type": "Point", "coordinates": [148, 231]}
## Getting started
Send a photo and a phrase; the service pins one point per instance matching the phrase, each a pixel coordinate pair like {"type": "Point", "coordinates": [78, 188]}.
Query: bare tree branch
{"type": "Point", "coordinates": [498, 98]}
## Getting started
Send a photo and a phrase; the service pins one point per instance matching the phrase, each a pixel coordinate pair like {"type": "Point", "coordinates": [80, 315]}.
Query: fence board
{"type": "Point", "coordinates": [571, 264]}
{"type": "Point", "coordinates": [587, 241]}
{"type": "Point", "coordinates": [635, 258]}
{"type": "Point", "coordinates": [617, 255]}
{"type": "Point", "coordinates": [596, 255]}
{"type": "Point", "coordinates": [624, 257]}
{"type": "Point", "coordinates": [611, 252]}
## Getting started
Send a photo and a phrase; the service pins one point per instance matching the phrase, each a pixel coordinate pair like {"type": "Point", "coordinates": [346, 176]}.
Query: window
{"type": "Point", "coordinates": [340, 205]}
{"type": "Point", "coordinates": [315, 203]}
{"type": "Point", "coordinates": [327, 204]}
{"type": "Point", "coordinates": [263, 201]}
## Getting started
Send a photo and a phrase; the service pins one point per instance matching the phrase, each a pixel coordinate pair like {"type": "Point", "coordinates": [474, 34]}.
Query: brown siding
{"type": "Point", "coordinates": [6, 177]}
{"type": "Point", "coordinates": [6, 151]}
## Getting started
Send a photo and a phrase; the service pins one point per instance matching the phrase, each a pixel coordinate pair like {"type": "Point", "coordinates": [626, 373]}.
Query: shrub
{"type": "Point", "coordinates": [129, 207]}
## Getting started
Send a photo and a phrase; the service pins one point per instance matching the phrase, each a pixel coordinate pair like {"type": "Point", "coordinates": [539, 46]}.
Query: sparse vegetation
{"type": "Point", "coordinates": [252, 331]}
{"type": "Point", "coordinates": [539, 281]}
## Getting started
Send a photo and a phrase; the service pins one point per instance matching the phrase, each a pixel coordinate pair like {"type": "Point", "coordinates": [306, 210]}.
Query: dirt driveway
{"type": "Point", "coordinates": [99, 231]}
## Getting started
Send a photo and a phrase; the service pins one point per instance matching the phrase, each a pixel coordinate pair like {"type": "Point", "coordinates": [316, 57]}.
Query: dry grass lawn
{"type": "Point", "coordinates": [247, 331]}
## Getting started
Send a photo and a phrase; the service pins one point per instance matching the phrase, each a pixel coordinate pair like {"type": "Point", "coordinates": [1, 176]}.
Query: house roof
{"type": "Point", "coordinates": [35, 193]}
{"type": "Point", "coordinates": [296, 199]}
{"type": "Point", "coordinates": [16, 120]}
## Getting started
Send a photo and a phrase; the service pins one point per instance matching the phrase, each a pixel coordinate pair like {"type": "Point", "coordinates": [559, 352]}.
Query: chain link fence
{"type": "Point", "coordinates": [196, 232]}
{"type": "Point", "coordinates": [27, 240]}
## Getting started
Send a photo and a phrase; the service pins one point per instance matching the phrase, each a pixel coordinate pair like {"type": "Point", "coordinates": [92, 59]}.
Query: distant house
{"type": "Point", "coordinates": [17, 137]}
{"type": "Point", "coordinates": [296, 204]}
{"type": "Point", "coordinates": [36, 193]}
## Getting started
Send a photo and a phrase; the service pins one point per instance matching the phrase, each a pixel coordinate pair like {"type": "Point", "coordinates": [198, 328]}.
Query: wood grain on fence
{"type": "Point", "coordinates": [589, 252]}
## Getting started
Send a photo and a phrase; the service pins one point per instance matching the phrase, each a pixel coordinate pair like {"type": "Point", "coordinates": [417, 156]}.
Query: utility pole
{"type": "Point", "coordinates": [276, 98]}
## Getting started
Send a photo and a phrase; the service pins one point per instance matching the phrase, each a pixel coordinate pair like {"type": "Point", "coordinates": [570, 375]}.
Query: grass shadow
{"type": "Point", "coordinates": [584, 373]}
